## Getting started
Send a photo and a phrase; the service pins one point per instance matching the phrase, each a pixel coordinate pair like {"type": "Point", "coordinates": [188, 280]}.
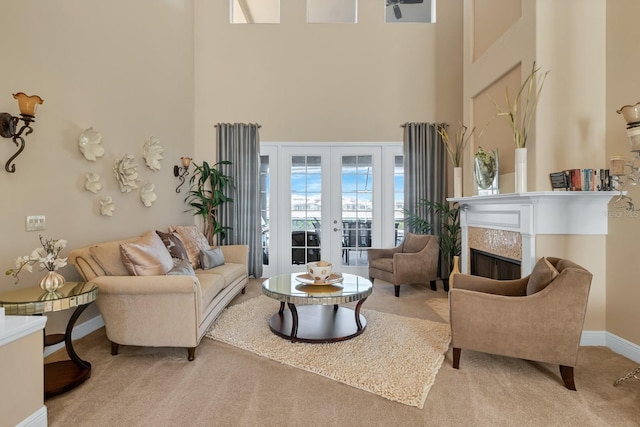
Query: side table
{"type": "Point", "coordinates": [61, 376]}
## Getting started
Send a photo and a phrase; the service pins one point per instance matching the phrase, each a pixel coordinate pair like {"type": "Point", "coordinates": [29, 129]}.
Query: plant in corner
{"type": "Point", "coordinates": [207, 194]}
{"type": "Point", "coordinates": [450, 244]}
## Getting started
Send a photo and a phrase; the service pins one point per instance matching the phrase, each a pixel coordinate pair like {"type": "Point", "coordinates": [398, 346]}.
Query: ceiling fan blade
{"type": "Point", "coordinates": [397, 12]}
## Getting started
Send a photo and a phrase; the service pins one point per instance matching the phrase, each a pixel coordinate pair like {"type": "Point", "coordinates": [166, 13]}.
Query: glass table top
{"type": "Point", "coordinates": [287, 288]}
{"type": "Point", "coordinates": [34, 300]}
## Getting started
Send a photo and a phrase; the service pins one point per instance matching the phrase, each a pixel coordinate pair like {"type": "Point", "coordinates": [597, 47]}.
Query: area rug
{"type": "Point", "coordinates": [396, 357]}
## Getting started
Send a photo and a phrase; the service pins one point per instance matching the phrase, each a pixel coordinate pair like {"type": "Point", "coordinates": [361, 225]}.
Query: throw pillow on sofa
{"type": "Point", "coordinates": [211, 258]}
{"type": "Point", "coordinates": [194, 241]}
{"type": "Point", "coordinates": [182, 268]}
{"type": "Point", "coordinates": [174, 245]}
{"type": "Point", "coordinates": [146, 256]}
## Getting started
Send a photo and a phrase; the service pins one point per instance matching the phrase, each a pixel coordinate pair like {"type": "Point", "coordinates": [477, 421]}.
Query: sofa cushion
{"type": "Point", "coordinates": [211, 258]}
{"type": "Point", "coordinates": [210, 285]}
{"type": "Point", "coordinates": [229, 271]}
{"type": "Point", "coordinates": [147, 256]}
{"type": "Point", "coordinates": [542, 274]}
{"type": "Point", "coordinates": [173, 244]}
{"type": "Point", "coordinates": [182, 268]}
{"type": "Point", "coordinates": [108, 257]}
{"type": "Point", "coordinates": [194, 241]}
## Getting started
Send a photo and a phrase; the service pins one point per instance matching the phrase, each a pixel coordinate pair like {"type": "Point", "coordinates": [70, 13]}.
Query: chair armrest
{"type": "Point", "coordinates": [416, 267]}
{"type": "Point", "coordinates": [382, 253]}
{"type": "Point", "coordinates": [237, 254]}
{"type": "Point", "coordinates": [516, 287]}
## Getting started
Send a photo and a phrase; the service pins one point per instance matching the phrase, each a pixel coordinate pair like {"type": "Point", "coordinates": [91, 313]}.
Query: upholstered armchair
{"type": "Point", "coordinates": [415, 260]}
{"type": "Point", "coordinates": [538, 317]}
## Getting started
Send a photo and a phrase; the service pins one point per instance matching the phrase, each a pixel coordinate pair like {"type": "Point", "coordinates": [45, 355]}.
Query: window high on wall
{"type": "Point", "coordinates": [255, 11]}
{"type": "Point", "coordinates": [401, 11]}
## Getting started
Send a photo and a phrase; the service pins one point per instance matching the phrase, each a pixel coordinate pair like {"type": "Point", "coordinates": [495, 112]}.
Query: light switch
{"type": "Point", "coordinates": [35, 222]}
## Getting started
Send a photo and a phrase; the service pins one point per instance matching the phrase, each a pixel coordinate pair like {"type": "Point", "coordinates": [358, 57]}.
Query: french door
{"type": "Point", "coordinates": [328, 202]}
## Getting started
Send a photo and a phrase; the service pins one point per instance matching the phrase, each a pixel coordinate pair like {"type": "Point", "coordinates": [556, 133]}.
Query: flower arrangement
{"type": "Point", "coordinates": [520, 112]}
{"type": "Point", "coordinates": [48, 256]}
{"type": "Point", "coordinates": [455, 149]}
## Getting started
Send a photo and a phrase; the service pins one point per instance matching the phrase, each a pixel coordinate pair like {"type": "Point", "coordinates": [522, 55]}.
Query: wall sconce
{"type": "Point", "coordinates": [182, 172]}
{"type": "Point", "coordinates": [8, 124]}
{"type": "Point", "coordinates": [627, 172]}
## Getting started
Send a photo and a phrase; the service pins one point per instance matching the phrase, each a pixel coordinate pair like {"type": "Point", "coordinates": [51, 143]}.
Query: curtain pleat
{"type": "Point", "coordinates": [239, 143]}
{"type": "Point", "coordinates": [425, 170]}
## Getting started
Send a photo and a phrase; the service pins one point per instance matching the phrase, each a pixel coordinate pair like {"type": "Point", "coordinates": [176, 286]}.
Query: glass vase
{"type": "Point", "coordinates": [52, 281]}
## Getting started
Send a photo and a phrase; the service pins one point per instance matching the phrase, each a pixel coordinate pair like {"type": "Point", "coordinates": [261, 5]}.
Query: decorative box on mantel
{"type": "Point", "coordinates": [525, 215]}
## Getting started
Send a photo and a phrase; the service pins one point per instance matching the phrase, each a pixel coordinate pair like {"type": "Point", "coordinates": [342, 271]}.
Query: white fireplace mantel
{"type": "Point", "coordinates": [530, 214]}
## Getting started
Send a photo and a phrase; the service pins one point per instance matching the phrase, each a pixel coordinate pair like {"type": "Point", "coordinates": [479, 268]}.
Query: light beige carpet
{"type": "Point", "coordinates": [396, 357]}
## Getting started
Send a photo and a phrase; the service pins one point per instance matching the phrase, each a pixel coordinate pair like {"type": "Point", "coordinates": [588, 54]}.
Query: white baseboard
{"type": "Point", "coordinates": [613, 342]}
{"type": "Point", "coordinates": [79, 331]}
{"type": "Point", "coordinates": [37, 419]}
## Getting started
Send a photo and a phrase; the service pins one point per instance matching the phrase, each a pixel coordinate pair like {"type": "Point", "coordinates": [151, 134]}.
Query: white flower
{"type": "Point", "coordinates": [47, 256]}
{"type": "Point", "coordinates": [106, 206]}
{"type": "Point", "coordinates": [126, 172]}
{"type": "Point", "coordinates": [90, 144]}
{"type": "Point", "coordinates": [152, 153]}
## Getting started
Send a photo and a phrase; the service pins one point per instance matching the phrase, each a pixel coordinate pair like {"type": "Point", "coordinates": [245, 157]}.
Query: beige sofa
{"type": "Point", "coordinates": [159, 310]}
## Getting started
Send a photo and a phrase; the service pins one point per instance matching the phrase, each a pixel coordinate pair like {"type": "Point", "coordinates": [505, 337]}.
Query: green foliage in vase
{"type": "Point", "coordinates": [485, 167]}
{"type": "Point", "coordinates": [207, 194]}
{"type": "Point", "coordinates": [449, 215]}
{"type": "Point", "coordinates": [519, 111]}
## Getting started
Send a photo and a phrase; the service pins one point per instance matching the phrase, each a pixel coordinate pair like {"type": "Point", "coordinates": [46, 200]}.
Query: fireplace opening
{"type": "Point", "coordinates": [493, 266]}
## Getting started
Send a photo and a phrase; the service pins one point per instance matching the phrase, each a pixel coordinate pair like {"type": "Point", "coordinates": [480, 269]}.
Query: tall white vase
{"type": "Point", "coordinates": [457, 182]}
{"type": "Point", "coordinates": [521, 170]}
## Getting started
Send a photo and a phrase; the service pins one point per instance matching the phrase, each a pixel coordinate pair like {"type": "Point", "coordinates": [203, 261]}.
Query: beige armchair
{"type": "Point", "coordinates": [538, 317]}
{"type": "Point", "coordinates": [415, 260]}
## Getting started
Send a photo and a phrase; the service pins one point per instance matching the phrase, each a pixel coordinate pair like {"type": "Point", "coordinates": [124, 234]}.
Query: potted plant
{"type": "Point", "coordinates": [455, 149]}
{"type": "Point", "coordinates": [519, 114]}
{"type": "Point", "coordinates": [207, 194]}
{"type": "Point", "coordinates": [450, 244]}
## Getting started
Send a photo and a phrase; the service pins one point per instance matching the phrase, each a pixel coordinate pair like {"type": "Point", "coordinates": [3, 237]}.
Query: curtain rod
{"type": "Point", "coordinates": [443, 123]}
{"type": "Point", "coordinates": [259, 126]}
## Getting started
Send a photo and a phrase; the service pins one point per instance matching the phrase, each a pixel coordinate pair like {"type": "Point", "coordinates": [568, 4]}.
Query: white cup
{"type": "Point", "coordinates": [319, 273]}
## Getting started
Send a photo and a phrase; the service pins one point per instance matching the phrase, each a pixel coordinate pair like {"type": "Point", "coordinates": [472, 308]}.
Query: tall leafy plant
{"type": "Point", "coordinates": [207, 194]}
{"type": "Point", "coordinates": [449, 215]}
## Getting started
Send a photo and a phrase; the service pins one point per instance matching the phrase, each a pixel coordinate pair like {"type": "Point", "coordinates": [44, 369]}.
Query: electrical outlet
{"type": "Point", "coordinates": [35, 222]}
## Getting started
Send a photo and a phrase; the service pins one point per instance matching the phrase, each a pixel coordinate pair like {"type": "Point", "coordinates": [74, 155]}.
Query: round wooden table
{"type": "Point", "coordinates": [315, 314]}
{"type": "Point", "coordinates": [64, 375]}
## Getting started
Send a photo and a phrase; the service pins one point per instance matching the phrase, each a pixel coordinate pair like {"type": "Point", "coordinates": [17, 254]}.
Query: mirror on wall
{"type": "Point", "coordinates": [400, 11]}
{"type": "Point", "coordinates": [332, 11]}
{"type": "Point", "coordinates": [255, 11]}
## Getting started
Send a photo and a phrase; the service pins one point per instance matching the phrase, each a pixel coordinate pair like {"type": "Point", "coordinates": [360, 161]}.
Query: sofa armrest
{"type": "Point", "coordinates": [137, 285]}
{"type": "Point", "coordinates": [237, 254]}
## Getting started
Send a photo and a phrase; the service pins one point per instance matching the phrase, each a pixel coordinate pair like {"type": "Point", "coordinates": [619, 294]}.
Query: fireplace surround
{"type": "Point", "coordinates": [507, 224]}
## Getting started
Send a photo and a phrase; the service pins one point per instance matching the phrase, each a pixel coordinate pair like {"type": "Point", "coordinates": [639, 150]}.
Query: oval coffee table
{"type": "Point", "coordinates": [314, 314]}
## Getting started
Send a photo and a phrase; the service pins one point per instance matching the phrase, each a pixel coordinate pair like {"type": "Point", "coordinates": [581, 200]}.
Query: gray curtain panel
{"type": "Point", "coordinates": [239, 143]}
{"type": "Point", "coordinates": [425, 169]}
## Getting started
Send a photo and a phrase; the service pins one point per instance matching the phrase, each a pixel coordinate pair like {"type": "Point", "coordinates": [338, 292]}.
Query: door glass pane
{"type": "Point", "coordinates": [398, 197]}
{"type": "Point", "coordinates": [357, 208]}
{"type": "Point", "coordinates": [306, 204]}
{"type": "Point", "coordinates": [264, 206]}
